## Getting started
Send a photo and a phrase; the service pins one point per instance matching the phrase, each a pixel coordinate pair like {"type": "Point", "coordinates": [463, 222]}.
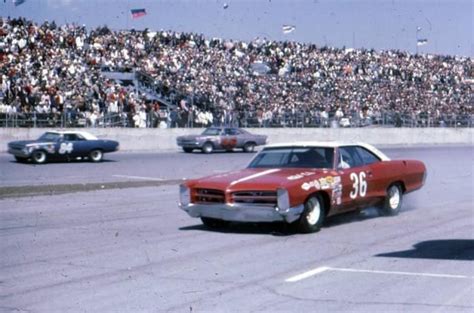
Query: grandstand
{"type": "Point", "coordinates": [68, 76]}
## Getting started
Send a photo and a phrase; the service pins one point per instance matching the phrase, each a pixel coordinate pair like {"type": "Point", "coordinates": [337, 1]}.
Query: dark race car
{"type": "Point", "coordinates": [66, 145]}
{"type": "Point", "coordinates": [221, 138]}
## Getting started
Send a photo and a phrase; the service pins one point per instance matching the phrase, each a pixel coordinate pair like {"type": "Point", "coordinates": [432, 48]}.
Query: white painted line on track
{"type": "Point", "coordinates": [139, 177]}
{"type": "Point", "coordinates": [307, 274]}
{"type": "Point", "coordinates": [322, 269]}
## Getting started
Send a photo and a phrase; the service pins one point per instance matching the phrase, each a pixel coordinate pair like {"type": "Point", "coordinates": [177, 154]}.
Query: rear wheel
{"type": "Point", "coordinates": [393, 200]}
{"type": "Point", "coordinates": [188, 150]}
{"type": "Point", "coordinates": [96, 155]}
{"type": "Point", "coordinates": [39, 157]}
{"type": "Point", "coordinates": [214, 222]}
{"type": "Point", "coordinates": [312, 217]}
{"type": "Point", "coordinates": [207, 147]}
{"type": "Point", "coordinates": [249, 147]}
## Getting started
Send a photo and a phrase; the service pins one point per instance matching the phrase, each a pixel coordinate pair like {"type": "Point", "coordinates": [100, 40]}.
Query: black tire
{"type": "Point", "coordinates": [96, 155]}
{"type": "Point", "coordinates": [39, 157]}
{"type": "Point", "coordinates": [312, 217]}
{"type": "Point", "coordinates": [20, 159]}
{"type": "Point", "coordinates": [208, 147]}
{"type": "Point", "coordinates": [188, 150]}
{"type": "Point", "coordinates": [393, 200]}
{"type": "Point", "coordinates": [213, 222]}
{"type": "Point", "coordinates": [249, 147]}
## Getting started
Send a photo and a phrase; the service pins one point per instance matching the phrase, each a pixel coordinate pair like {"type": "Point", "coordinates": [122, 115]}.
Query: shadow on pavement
{"type": "Point", "coordinates": [60, 161]}
{"type": "Point", "coordinates": [448, 249]}
{"type": "Point", "coordinates": [284, 229]}
{"type": "Point", "coordinates": [350, 217]}
{"type": "Point", "coordinates": [274, 229]}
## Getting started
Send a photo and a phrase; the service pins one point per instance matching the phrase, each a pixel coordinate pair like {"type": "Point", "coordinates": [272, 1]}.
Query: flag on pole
{"type": "Point", "coordinates": [418, 29]}
{"type": "Point", "coordinates": [288, 29]}
{"type": "Point", "coordinates": [421, 42]}
{"type": "Point", "coordinates": [137, 13]}
{"type": "Point", "coordinates": [18, 2]}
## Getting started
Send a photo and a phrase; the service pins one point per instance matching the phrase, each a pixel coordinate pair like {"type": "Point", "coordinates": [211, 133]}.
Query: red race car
{"type": "Point", "coordinates": [302, 184]}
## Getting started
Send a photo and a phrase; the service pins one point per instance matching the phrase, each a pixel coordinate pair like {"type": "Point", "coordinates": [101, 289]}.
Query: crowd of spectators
{"type": "Point", "coordinates": [58, 70]}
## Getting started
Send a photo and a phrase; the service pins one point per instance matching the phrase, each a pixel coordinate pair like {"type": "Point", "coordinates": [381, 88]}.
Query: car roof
{"type": "Point", "coordinates": [331, 144]}
{"type": "Point", "coordinates": [84, 134]}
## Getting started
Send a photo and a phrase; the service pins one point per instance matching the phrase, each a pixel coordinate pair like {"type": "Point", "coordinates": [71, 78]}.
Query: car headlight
{"type": "Point", "coordinates": [184, 195]}
{"type": "Point", "coordinates": [283, 200]}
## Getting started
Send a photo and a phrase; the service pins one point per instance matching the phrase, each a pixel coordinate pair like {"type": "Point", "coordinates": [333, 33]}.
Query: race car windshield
{"type": "Point", "coordinates": [212, 132]}
{"type": "Point", "coordinates": [50, 137]}
{"type": "Point", "coordinates": [311, 157]}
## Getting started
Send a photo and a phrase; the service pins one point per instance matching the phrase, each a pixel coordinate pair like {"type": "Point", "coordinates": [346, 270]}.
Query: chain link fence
{"type": "Point", "coordinates": [164, 119]}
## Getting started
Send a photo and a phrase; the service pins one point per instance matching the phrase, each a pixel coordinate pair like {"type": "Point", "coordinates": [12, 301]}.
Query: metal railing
{"type": "Point", "coordinates": [163, 119]}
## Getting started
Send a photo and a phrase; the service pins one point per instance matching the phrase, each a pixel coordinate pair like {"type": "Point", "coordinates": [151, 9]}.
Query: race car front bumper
{"type": "Point", "coordinates": [23, 153]}
{"type": "Point", "coordinates": [243, 212]}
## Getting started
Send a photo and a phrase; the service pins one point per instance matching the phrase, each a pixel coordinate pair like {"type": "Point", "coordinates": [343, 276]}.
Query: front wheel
{"type": "Point", "coordinates": [39, 157]}
{"type": "Point", "coordinates": [207, 147]}
{"type": "Point", "coordinates": [96, 155]}
{"type": "Point", "coordinates": [393, 200]}
{"type": "Point", "coordinates": [312, 217]}
{"type": "Point", "coordinates": [213, 222]}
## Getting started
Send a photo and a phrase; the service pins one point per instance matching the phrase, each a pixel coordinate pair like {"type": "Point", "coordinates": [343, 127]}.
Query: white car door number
{"type": "Point", "coordinates": [65, 147]}
{"type": "Point", "coordinates": [359, 185]}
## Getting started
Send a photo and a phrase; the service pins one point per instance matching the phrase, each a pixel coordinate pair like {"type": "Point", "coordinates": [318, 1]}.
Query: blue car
{"type": "Point", "coordinates": [65, 145]}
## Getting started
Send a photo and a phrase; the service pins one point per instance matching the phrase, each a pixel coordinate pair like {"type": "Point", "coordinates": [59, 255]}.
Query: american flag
{"type": "Point", "coordinates": [137, 13]}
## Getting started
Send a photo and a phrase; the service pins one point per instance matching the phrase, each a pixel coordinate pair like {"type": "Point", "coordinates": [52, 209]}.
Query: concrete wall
{"type": "Point", "coordinates": [154, 139]}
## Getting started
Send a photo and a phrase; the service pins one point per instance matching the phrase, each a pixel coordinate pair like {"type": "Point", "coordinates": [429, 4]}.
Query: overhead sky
{"type": "Point", "coordinates": [377, 24]}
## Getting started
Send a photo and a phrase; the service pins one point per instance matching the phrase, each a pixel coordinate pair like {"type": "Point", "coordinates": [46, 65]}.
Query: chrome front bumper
{"type": "Point", "coordinates": [243, 212]}
{"type": "Point", "coordinates": [18, 153]}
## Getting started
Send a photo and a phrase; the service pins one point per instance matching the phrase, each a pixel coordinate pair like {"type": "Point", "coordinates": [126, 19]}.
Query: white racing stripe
{"type": "Point", "coordinates": [138, 177]}
{"type": "Point", "coordinates": [322, 269]}
{"type": "Point", "coordinates": [254, 176]}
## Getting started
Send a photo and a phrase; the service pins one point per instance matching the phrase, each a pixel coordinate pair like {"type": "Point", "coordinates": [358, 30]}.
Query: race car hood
{"type": "Point", "coordinates": [259, 179]}
{"type": "Point", "coordinates": [187, 137]}
{"type": "Point", "coordinates": [26, 143]}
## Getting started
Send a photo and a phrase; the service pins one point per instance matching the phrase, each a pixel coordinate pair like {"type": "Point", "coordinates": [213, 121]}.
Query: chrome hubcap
{"type": "Point", "coordinates": [39, 157]}
{"type": "Point", "coordinates": [394, 197]}
{"type": "Point", "coordinates": [96, 155]}
{"type": "Point", "coordinates": [314, 214]}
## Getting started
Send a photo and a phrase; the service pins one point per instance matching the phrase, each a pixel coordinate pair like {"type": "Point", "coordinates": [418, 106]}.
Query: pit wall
{"type": "Point", "coordinates": [157, 140]}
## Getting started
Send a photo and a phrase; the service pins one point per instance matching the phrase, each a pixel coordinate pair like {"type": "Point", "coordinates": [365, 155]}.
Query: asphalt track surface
{"type": "Point", "coordinates": [83, 237]}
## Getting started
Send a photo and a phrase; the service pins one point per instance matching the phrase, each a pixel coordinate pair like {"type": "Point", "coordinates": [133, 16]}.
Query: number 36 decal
{"type": "Point", "coordinates": [359, 185]}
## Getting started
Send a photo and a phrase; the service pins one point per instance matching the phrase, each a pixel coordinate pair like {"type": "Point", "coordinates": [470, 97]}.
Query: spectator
{"type": "Point", "coordinates": [218, 80]}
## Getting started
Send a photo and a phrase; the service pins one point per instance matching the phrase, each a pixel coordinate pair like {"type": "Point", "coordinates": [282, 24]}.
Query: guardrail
{"type": "Point", "coordinates": [165, 119]}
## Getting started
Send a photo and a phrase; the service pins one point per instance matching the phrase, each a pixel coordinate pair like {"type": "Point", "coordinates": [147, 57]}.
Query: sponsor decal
{"type": "Point", "coordinates": [312, 184]}
{"type": "Point", "coordinates": [300, 175]}
{"type": "Point", "coordinates": [329, 181]}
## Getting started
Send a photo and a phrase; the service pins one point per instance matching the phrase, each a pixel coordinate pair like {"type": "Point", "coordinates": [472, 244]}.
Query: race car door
{"type": "Point", "coordinates": [355, 179]}
{"type": "Point", "coordinates": [229, 140]}
{"type": "Point", "coordinates": [376, 173]}
{"type": "Point", "coordinates": [73, 145]}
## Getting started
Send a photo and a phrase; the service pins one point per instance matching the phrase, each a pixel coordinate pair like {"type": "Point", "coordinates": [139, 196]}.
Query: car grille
{"type": "Point", "coordinates": [255, 197]}
{"type": "Point", "coordinates": [187, 142]}
{"type": "Point", "coordinates": [16, 147]}
{"type": "Point", "coordinates": [209, 196]}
